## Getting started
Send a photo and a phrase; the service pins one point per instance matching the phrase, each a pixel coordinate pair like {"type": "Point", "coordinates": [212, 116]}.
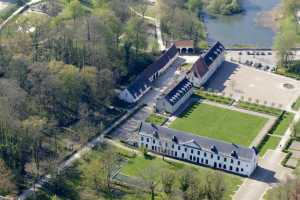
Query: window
{"type": "Point", "coordinates": [182, 155]}
{"type": "Point", "coordinates": [166, 144]}
{"type": "Point", "coordinates": [204, 154]}
{"type": "Point", "coordinates": [155, 148]}
{"type": "Point", "coordinates": [242, 169]}
{"type": "Point", "coordinates": [230, 168]}
{"type": "Point", "coordinates": [211, 156]}
{"type": "Point", "coordinates": [197, 160]}
{"type": "Point", "coordinates": [201, 160]}
{"type": "Point", "coordinates": [152, 148]}
{"type": "Point", "coordinates": [178, 148]}
{"type": "Point", "coordinates": [231, 161]}
{"type": "Point", "coordinates": [198, 152]}
{"type": "Point", "coordinates": [147, 139]}
{"type": "Point", "coordinates": [192, 151]}
{"type": "Point", "coordinates": [190, 157]}
{"type": "Point", "coordinates": [175, 153]}
{"type": "Point", "coordinates": [224, 166]}
{"type": "Point", "coordinates": [142, 138]}
{"type": "Point", "coordinates": [237, 169]}
{"type": "Point", "coordinates": [218, 157]}
{"type": "Point", "coordinates": [220, 165]}
{"type": "Point", "coordinates": [225, 159]}
{"type": "Point", "coordinates": [194, 158]}
{"type": "Point", "coordinates": [185, 149]}
{"type": "Point", "coordinates": [147, 146]}
{"type": "Point", "coordinates": [239, 162]}
{"type": "Point", "coordinates": [172, 146]}
{"type": "Point", "coordinates": [153, 141]}
{"type": "Point", "coordinates": [206, 161]}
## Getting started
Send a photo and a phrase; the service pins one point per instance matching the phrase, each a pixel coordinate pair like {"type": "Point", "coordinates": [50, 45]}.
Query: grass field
{"type": "Point", "coordinates": [218, 123]}
{"type": "Point", "coordinates": [156, 119]}
{"type": "Point", "coordinates": [271, 143]}
{"type": "Point", "coordinates": [296, 105]}
{"type": "Point", "coordinates": [284, 124]}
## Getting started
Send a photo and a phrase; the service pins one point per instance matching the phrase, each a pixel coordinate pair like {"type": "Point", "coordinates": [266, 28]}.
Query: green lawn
{"type": "Point", "coordinates": [219, 123]}
{"type": "Point", "coordinates": [156, 119]}
{"type": "Point", "coordinates": [271, 143]}
{"type": "Point", "coordinates": [135, 166]}
{"type": "Point", "coordinates": [283, 124]}
{"type": "Point", "coordinates": [296, 105]}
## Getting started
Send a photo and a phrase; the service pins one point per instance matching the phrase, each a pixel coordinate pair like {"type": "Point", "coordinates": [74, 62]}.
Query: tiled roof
{"type": "Point", "coordinates": [184, 43]}
{"type": "Point", "coordinates": [213, 53]}
{"type": "Point", "coordinates": [143, 79]}
{"type": "Point", "coordinates": [199, 142]}
{"type": "Point", "coordinates": [199, 68]}
{"type": "Point", "coordinates": [179, 91]}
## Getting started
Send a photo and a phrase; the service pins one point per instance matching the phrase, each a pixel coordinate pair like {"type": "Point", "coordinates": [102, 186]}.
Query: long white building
{"type": "Point", "coordinates": [142, 84]}
{"type": "Point", "coordinates": [207, 64]}
{"type": "Point", "coordinates": [199, 150]}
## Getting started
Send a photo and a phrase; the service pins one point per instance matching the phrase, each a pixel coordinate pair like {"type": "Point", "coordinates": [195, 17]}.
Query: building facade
{"type": "Point", "coordinates": [206, 65]}
{"type": "Point", "coordinates": [142, 84]}
{"type": "Point", "coordinates": [199, 150]}
{"type": "Point", "coordinates": [175, 96]}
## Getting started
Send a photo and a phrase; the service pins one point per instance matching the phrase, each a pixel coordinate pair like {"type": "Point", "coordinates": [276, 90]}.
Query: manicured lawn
{"type": "Point", "coordinates": [218, 123]}
{"type": "Point", "coordinates": [156, 119]}
{"type": "Point", "coordinates": [283, 124]}
{"type": "Point", "coordinates": [296, 105]}
{"type": "Point", "coordinates": [271, 143]}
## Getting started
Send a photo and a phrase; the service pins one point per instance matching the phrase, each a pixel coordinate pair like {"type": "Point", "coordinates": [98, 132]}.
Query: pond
{"type": "Point", "coordinates": [242, 29]}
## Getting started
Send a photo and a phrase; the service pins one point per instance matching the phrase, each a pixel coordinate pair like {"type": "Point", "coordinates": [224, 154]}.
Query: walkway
{"type": "Point", "coordinates": [19, 11]}
{"type": "Point", "coordinates": [156, 22]}
{"type": "Point", "coordinates": [98, 140]}
{"type": "Point", "coordinates": [270, 171]}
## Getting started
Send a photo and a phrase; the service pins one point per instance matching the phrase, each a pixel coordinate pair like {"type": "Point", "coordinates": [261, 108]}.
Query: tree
{"type": "Point", "coordinates": [7, 185]}
{"type": "Point", "coordinates": [185, 179]}
{"type": "Point", "coordinates": [215, 186]}
{"type": "Point", "coordinates": [195, 5]}
{"type": "Point", "coordinates": [150, 179]}
{"type": "Point", "coordinates": [168, 181]}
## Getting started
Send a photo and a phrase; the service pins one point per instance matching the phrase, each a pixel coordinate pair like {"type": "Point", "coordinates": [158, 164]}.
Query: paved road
{"type": "Point", "coordinates": [269, 173]}
{"type": "Point", "coordinates": [19, 11]}
{"type": "Point", "coordinates": [156, 22]}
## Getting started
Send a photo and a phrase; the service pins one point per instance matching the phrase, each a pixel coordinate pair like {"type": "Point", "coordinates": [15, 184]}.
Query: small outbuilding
{"type": "Point", "coordinates": [185, 46]}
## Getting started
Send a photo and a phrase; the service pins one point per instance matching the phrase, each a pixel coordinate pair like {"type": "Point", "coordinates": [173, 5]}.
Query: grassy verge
{"type": "Point", "coordinates": [214, 97]}
{"type": "Point", "coordinates": [259, 108]}
{"type": "Point", "coordinates": [296, 104]}
{"type": "Point", "coordinates": [283, 124]}
{"type": "Point", "coordinates": [219, 123]}
{"type": "Point", "coordinates": [156, 119]}
{"type": "Point", "coordinates": [271, 142]}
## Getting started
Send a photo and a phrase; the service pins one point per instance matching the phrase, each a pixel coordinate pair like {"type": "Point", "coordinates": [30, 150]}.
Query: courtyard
{"type": "Point", "coordinates": [220, 123]}
{"type": "Point", "coordinates": [255, 85]}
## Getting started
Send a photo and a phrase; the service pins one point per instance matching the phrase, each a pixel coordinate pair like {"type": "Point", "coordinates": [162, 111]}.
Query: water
{"type": "Point", "coordinates": [242, 29]}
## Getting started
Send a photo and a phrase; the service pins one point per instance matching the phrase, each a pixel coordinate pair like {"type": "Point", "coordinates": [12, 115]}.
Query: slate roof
{"type": "Point", "coordinates": [143, 79]}
{"type": "Point", "coordinates": [213, 53]}
{"type": "Point", "coordinates": [199, 142]}
{"type": "Point", "coordinates": [178, 91]}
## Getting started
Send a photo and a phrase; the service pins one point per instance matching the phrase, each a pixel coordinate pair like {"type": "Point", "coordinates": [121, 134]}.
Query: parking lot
{"type": "Point", "coordinates": [253, 84]}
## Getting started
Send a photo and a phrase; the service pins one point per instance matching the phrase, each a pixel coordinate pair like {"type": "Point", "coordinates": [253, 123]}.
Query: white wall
{"type": "Point", "coordinates": [248, 166]}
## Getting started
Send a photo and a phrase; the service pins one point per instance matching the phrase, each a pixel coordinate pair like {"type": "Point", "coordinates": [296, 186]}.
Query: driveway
{"type": "Point", "coordinates": [127, 130]}
{"type": "Point", "coordinates": [268, 173]}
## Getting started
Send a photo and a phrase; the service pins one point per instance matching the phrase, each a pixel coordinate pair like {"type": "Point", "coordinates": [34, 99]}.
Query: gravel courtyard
{"type": "Point", "coordinates": [243, 81]}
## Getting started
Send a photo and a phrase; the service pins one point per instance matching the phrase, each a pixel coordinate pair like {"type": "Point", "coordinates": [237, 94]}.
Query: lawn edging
{"type": "Point", "coordinates": [259, 108]}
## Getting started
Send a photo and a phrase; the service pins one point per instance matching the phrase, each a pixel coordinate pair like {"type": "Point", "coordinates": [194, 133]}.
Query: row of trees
{"type": "Point", "coordinates": [58, 72]}
{"type": "Point", "coordinates": [95, 179]}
